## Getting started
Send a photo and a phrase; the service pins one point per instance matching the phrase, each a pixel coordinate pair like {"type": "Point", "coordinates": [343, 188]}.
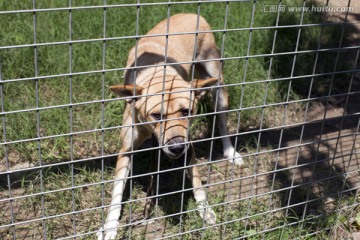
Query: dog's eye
{"type": "Point", "coordinates": [185, 112]}
{"type": "Point", "coordinates": [156, 116]}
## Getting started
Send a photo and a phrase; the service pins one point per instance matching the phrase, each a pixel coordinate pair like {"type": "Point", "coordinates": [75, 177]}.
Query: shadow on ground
{"type": "Point", "coordinates": [317, 168]}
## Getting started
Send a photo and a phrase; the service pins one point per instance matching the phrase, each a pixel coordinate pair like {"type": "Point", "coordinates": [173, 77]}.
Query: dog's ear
{"type": "Point", "coordinates": [126, 91]}
{"type": "Point", "coordinates": [203, 83]}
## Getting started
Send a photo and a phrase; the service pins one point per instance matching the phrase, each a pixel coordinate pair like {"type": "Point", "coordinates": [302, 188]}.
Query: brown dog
{"type": "Point", "coordinates": [161, 99]}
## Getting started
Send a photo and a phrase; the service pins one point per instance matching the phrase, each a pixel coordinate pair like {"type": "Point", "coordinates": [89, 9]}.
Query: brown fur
{"type": "Point", "coordinates": [163, 99]}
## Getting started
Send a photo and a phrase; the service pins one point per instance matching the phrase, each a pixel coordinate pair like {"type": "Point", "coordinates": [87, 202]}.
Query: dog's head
{"type": "Point", "coordinates": [166, 107]}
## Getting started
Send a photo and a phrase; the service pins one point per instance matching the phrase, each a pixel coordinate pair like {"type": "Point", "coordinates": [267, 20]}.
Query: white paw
{"type": "Point", "coordinates": [108, 232]}
{"type": "Point", "coordinates": [207, 214]}
{"type": "Point", "coordinates": [234, 157]}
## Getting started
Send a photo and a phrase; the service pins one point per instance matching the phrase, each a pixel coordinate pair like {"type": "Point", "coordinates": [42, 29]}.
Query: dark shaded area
{"type": "Point", "coordinates": [320, 167]}
{"type": "Point", "coordinates": [336, 33]}
{"type": "Point", "coordinates": [169, 181]}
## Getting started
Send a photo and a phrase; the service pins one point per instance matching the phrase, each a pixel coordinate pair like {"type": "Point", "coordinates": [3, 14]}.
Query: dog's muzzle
{"type": "Point", "coordinates": [175, 148]}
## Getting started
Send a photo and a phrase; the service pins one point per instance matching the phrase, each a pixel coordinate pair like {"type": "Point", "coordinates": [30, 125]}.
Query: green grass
{"type": "Point", "coordinates": [88, 24]}
{"type": "Point", "coordinates": [17, 29]}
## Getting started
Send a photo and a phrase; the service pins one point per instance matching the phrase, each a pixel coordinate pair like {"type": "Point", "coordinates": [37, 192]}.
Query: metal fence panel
{"type": "Point", "coordinates": [291, 69]}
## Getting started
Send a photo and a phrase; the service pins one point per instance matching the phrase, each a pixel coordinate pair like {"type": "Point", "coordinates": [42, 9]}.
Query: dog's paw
{"type": "Point", "coordinates": [234, 157]}
{"type": "Point", "coordinates": [207, 214]}
{"type": "Point", "coordinates": [210, 216]}
{"type": "Point", "coordinates": [108, 232]}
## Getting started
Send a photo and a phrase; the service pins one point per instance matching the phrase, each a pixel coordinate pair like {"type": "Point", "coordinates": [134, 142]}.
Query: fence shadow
{"type": "Point", "coordinates": [314, 177]}
{"type": "Point", "coordinates": [318, 169]}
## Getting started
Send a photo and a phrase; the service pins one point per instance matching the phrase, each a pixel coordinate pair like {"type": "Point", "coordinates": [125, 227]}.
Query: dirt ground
{"type": "Point", "coordinates": [321, 156]}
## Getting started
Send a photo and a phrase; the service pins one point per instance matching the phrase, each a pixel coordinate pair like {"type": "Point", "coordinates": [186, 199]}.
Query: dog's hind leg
{"type": "Point", "coordinates": [205, 212]}
{"type": "Point", "coordinates": [131, 140]}
{"type": "Point", "coordinates": [212, 69]}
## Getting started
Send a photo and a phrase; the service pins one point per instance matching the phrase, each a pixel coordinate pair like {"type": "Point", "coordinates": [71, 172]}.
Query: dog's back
{"type": "Point", "coordinates": [178, 47]}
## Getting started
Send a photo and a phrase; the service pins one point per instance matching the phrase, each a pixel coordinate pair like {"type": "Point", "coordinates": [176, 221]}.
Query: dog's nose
{"type": "Point", "coordinates": [177, 149]}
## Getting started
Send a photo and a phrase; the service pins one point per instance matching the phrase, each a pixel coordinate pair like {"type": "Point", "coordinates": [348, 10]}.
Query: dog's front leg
{"type": "Point", "coordinates": [222, 106]}
{"type": "Point", "coordinates": [109, 231]}
{"type": "Point", "coordinates": [199, 192]}
{"type": "Point", "coordinates": [132, 138]}
{"type": "Point", "coordinates": [220, 96]}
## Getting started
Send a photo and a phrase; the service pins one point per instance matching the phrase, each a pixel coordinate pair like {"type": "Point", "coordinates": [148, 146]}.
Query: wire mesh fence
{"type": "Point", "coordinates": [291, 71]}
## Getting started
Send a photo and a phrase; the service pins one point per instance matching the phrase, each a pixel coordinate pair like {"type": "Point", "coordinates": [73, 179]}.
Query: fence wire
{"type": "Point", "coordinates": [291, 69]}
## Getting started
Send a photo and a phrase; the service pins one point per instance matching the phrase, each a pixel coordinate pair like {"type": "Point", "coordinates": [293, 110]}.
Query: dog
{"type": "Point", "coordinates": [161, 98]}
